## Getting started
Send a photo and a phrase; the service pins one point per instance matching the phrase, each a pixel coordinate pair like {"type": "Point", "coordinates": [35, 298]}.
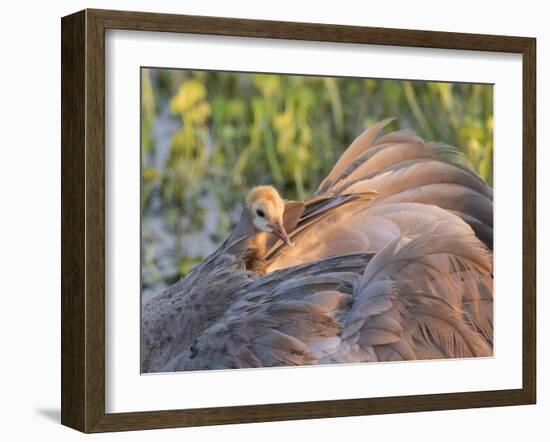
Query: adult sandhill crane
{"type": "Point", "coordinates": [390, 260]}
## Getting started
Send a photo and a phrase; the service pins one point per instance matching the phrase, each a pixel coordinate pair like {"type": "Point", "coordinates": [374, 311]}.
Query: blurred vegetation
{"type": "Point", "coordinates": [207, 137]}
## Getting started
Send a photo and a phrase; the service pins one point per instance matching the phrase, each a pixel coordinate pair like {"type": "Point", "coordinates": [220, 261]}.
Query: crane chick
{"type": "Point", "coordinates": [266, 208]}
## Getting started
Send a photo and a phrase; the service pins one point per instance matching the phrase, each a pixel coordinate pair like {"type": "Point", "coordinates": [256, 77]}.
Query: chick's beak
{"type": "Point", "coordinates": [279, 230]}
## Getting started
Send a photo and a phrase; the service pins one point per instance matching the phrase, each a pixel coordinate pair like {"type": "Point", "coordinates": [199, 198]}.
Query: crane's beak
{"type": "Point", "coordinates": [279, 230]}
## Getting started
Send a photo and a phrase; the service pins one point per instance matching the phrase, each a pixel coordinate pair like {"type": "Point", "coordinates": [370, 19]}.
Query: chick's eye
{"type": "Point", "coordinates": [260, 213]}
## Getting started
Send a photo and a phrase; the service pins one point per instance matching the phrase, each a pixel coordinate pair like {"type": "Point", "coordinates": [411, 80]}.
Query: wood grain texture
{"type": "Point", "coordinates": [95, 221]}
{"type": "Point", "coordinates": [145, 21]}
{"type": "Point", "coordinates": [529, 220]}
{"type": "Point", "coordinates": [73, 254]}
{"type": "Point", "coordinates": [83, 219]}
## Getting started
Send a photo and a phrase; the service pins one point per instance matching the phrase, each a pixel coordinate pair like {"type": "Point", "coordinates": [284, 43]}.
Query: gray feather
{"type": "Point", "coordinates": [392, 260]}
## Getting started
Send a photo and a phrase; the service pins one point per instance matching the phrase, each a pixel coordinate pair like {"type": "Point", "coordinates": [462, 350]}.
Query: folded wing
{"type": "Point", "coordinates": [421, 296]}
{"type": "Point", "coordinates": [382, 188]}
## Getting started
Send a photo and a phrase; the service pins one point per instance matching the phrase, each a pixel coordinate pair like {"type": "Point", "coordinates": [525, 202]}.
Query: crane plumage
{"type": "Point", "coordinates": [390, 260]}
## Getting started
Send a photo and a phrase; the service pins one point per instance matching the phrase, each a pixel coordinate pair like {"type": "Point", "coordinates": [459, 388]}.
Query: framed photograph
{"type": "Point", "coordinates": [268, 220]}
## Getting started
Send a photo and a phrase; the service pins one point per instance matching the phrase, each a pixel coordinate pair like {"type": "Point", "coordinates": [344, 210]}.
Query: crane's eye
{"type": "Point", "coordinates": [260, 213]}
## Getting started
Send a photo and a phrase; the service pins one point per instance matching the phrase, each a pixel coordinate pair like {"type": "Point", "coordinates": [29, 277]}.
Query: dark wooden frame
{"type": "Point", "coordinates": [83, 220]}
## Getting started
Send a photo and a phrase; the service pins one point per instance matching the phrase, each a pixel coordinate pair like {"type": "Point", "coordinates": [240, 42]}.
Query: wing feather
{"type": "Point", "coordinates": [390, 262]}
{"type": "Point", "coordinates": [362, 143]}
